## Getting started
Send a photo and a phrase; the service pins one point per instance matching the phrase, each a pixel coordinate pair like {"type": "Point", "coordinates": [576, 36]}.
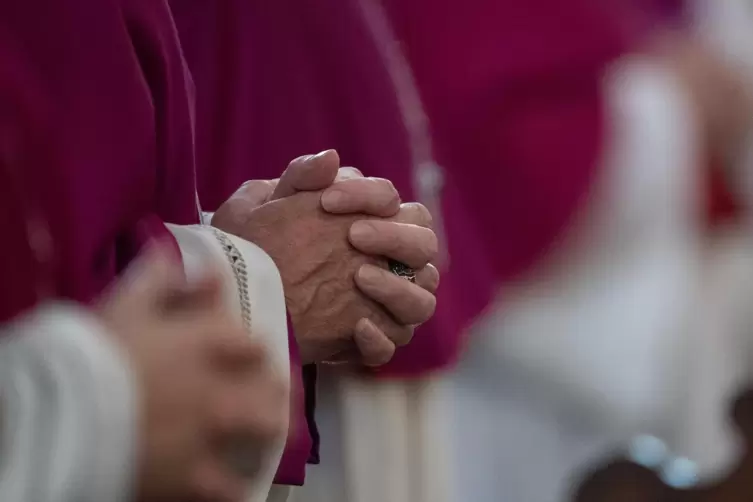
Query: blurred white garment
{"type": "Point", "coordinates": [592, 349]}
{"type": "Point", "coordinates": [386, 440]}
{"type": "Point", "coordinates": [721, 361]}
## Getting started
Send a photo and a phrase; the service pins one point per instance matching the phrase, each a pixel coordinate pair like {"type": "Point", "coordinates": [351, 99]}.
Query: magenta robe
{"type": "Point", "coordinates": [97, 142]}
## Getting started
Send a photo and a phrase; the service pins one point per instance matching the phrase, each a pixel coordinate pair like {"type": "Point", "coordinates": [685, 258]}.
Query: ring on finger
{"type": "Point", "coordinates": [402, 270]}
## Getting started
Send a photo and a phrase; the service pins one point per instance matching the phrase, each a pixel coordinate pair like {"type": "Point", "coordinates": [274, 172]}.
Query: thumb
{"type": "Point", "coordinates": [157, 279]}
{"type": "Point", "coordinates": [309, 173]}
{"type": "Point", "coordinates": [155, 270]}
{"type": "Point", "coordinates": [255, 192]}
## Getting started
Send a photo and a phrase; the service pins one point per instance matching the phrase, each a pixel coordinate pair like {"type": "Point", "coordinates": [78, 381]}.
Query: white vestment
{"type": "Point", "coordinates": [69, 401]}
{"type": "Point", "coordinates": [722, 360]}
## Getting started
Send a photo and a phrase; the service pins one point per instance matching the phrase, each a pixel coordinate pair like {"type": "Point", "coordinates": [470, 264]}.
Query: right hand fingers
{"type": "Point", "coordinates": [251, 412]}
{"type": "Point", "coordinates": [214, 482]}
{"type": "Point", "coordinates": [253, 402]}
{"type": "Point", "coordinates": [247, 416]}
{"type": "Point", "coordinates": [156, 283]}
{"type": "Point", "coordinates": [156, 271]}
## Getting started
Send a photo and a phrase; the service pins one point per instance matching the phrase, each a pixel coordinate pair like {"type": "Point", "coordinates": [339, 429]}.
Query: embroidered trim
{"type": "Point", "coordinates": [240, 271]}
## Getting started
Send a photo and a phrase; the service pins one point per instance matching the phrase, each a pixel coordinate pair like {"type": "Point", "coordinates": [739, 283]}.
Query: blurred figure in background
{"type": "Point", "coordinates": [584, 337]}
{"type": "Point", "coordinates": [714, 58]}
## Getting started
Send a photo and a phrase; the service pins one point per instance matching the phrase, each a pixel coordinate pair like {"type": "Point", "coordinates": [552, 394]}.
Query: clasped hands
{"type": "Point", "coordinates": [206, 390]}
{"type": "Point", "coordinates": [330, 230]}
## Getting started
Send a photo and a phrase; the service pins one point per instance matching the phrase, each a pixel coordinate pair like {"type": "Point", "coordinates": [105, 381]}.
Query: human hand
{"type": "Point", "coordinates": [406, 238]}
{"type": "Point", "coordinates": [211, 404]}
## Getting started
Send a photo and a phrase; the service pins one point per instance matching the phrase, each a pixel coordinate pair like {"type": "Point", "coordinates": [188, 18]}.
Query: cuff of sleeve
{"type": "Point", "coordinates": [303, 438]}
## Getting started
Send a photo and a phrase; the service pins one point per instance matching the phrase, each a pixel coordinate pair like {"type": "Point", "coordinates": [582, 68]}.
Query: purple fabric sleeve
{"type": "Point", "coordinates": [309, 388]}
{"type": "Point", "coordinates": [303, 444]}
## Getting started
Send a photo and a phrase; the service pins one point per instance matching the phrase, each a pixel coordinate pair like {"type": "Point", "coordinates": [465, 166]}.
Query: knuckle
{"type": "Point", "coordinates": [431, 246]}
{"type": "Point", "coordinates": [272, 422]}
{"type": "Point", "coordinates": [386, 189]}
{"type": "Point", "coordinates": [424, 215]}
{"type": "Point", "coordinates": [375, 347]}
{"type": "Point", "coordinates": [303, 159]}
{"type": "Point", "coordinates": [428, 278]}
{"type": "Point", "coordinates": [393, 196]}
{"type": "Point", "coordinates": [434, 277]}
{"type": "Point", "coordinates": [384, 184]}
{"type": "Point", "coordinates": [251, 186]}
{"type": "Point", "coordinates": [418, 214]}
{"type": "Point", "coordinates": [426, 306]}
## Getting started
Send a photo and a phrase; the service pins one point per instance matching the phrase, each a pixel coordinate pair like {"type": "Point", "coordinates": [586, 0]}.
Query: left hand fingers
{"type": "Point", "coordinates": [412, 245]}
{"type": "Point", "coordinates": [372, 347]}
{"type": "Point", "coordinates": [407, 302]}
{"type": "Point", "coordinates": [372, 196]}
{"type": "Point", "coordinates": [428, 278]}
{"type": "Point", "coordinates": [375, 348]}
{"type": "Point", "coordinates": [414, 213]}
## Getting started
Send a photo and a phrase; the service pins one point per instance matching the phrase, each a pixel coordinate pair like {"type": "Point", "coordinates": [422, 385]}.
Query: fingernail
{"type": "Point", "coordinates": [369, 274]}
{"type": "Point", "coordinates": [362, 231]}
{"type": "Point", "coordinates": [332, 198]}
{"type": "Point", "coordinates": [302, 160]}
{"type": "Point", "coordinates": [322, 154]}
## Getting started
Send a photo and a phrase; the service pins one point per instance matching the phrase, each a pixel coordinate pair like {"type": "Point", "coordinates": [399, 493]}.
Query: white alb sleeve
{"type": "Point", "coordinates": [252, 289]}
